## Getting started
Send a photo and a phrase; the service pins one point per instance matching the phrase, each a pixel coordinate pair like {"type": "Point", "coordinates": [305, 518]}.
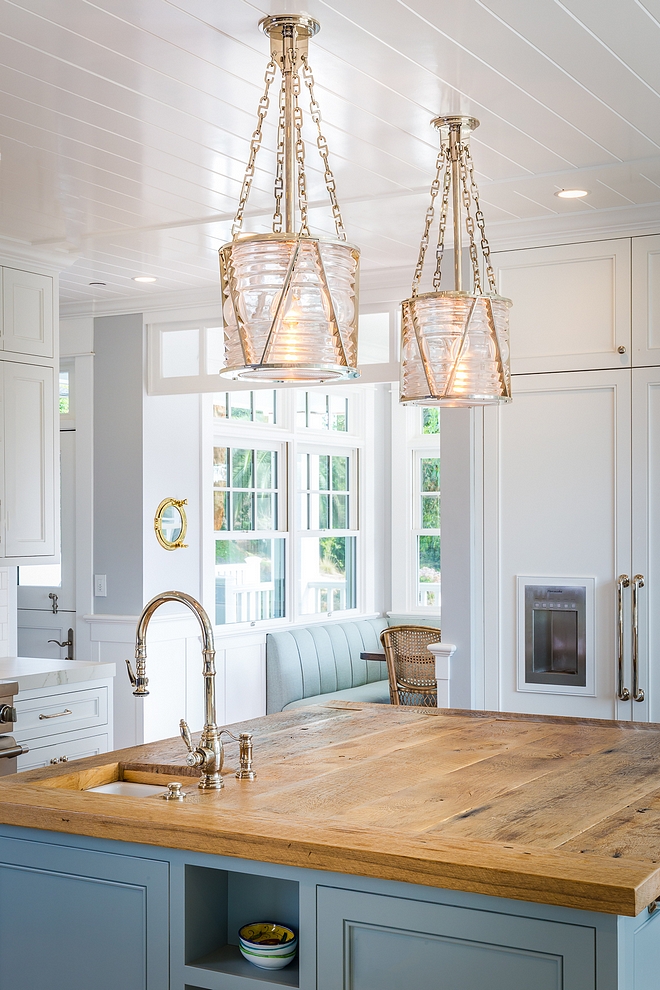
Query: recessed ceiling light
{"type": "Point", "coordinates": [572, 193]}
{"type": "Point", "coordinates": [145, 278]}
{"type": "Point", "coordinates": [97, 283]}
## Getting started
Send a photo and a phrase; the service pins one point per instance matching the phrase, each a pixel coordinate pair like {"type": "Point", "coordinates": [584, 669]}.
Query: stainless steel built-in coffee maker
{"type": "Point", "coordinates": [555, 635]}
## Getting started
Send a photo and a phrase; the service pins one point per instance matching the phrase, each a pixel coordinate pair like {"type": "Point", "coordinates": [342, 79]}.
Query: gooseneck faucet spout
{"type": "Point", "coordinates": [208, 756]}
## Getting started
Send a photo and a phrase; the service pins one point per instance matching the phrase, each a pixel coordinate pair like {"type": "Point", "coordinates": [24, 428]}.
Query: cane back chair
{"type": "Point", "coordinates": [410, 666]}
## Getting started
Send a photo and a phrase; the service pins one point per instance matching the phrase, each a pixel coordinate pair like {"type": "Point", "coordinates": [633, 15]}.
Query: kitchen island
{"type": "Point", "coordinates": [436, 848]}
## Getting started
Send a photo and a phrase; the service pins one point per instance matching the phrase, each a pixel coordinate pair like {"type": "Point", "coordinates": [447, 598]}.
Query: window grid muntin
{"type": "Point", "coordinates": [259, 406]}
{"type": "Point", "coordinates": [426, 546]}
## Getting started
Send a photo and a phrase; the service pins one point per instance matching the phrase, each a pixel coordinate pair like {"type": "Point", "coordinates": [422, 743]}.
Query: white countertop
{"type": "Point", "coordinates": [35, 672]}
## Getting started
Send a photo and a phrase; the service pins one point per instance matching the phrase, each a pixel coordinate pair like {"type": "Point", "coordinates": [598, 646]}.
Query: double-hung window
{"type": "Point", "coordinates": [426, 509]}
{"type": "Point", "coordinates": [285, 504]}
{"type": "Point", "coordinates": [249, 525]}
{"type": "Point", "coordinates": [327, 510]}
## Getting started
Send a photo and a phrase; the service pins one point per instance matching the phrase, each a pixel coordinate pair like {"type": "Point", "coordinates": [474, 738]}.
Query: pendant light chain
{"type": "Point", "coordinates": [469, 222]}
{"type": "Point", "coordinates": [440, 163]}
{"type": "Point", "coordinates": [481, 223]}
{"type": "Point", "coordinates": [279, 162]}
{"type": "Point", "coordinates": [469, 195]}
{"type": "Point", "coordinates": [300, 158]}
{"type": "Point", "coordinates": [444, 208]}
{"type": "Point", "coordinates": [322, 145]}
{"type": "Point", "coordinates": [255, 144]}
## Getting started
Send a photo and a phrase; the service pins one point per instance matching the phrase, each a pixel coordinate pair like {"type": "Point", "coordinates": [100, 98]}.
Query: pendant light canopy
{"type": "Point", "coordinates": [455, 344]}
{"type": "Point", "coordinates": [289, 299]}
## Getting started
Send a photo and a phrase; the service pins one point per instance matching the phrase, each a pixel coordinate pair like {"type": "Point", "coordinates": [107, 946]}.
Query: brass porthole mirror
{"type": "Point", "coordinates": [170, 523]}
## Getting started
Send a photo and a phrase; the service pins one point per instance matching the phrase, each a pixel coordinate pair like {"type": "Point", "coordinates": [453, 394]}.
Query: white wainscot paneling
{"type": "Point", "coordinates": [571, 305]}
{"type": "Point", "coordinates": [174, 668]}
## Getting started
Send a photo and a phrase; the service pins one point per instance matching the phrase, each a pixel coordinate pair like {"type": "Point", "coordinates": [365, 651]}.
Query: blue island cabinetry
{"type": "Point", "coordinates": [78, 913]}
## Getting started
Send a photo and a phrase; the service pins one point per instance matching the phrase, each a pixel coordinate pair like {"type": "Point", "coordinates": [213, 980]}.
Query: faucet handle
{"type": "Point", "coordinates": [140, 681]}
{"type": "Point", "coordinates": [185, 735]}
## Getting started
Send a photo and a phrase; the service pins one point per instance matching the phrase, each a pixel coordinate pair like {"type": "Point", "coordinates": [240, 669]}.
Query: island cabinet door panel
{"type": "Point", "coordinates": [73, 919]}
{"type": "Point", "coordinates": [373, 942]}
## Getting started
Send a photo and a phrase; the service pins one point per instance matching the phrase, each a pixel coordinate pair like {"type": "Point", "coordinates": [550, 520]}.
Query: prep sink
{"type": "Point", "coordinates": [125, 779]}
{"type": "Point", "coordinates": [128, 788]}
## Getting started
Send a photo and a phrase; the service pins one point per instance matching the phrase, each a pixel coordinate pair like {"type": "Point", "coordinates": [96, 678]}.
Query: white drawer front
{"type": "Point", "coordinates": [67, 712]}
{"type": "Point", "coordinates": [72, 748]}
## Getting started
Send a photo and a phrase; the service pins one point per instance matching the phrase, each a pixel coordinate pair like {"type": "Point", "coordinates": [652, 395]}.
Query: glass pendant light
{"type": "Point", "coordinates": [289, 299]}
{"type": "Point", "coordinates": [455, 344]}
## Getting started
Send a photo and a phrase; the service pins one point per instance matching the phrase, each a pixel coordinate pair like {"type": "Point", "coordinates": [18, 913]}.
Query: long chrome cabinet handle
{"type": "Point", "coordinates": [637, 583]}
{"type": "Point", "coordinates": [623, 693]}
{"type": "Point", "coordinates": [67, 711]}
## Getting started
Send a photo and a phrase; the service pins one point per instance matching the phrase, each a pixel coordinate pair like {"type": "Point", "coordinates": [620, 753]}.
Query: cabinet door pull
{"type": "Point", "coordinates": [623, 693]}
{"type": "Point", "coordinates": [66, 711]}
{"type": "Point", "coordinates": [637, 583]}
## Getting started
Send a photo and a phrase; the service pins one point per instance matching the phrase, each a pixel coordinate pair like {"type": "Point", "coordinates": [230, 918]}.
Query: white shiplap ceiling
{"type": "Point", "coordinates": [125, 126]}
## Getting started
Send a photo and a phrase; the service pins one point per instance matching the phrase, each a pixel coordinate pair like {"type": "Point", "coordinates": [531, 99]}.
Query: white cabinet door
{"type": "Point", "coordinates": [558, 505]}
{"type": "Point", "coordinates": [31, 506]}
{"type": "Point", "coordinates": [571, 305]}
{"type": "Point", "coordinates": [27, 312]}
{"type": "Point", "coordinates": [646, 536]}
{"type": "Point", "coordinates": [646, 300]}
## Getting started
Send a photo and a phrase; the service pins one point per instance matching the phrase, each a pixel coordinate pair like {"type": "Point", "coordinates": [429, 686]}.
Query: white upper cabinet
{"type": "Point", "coordinates": [30, 511]}
{"type": "Point", "coordinates": [27, 304]}
{"type": "Point", "coordinates": [571, 305]}
{"type": "Point", "coordinates": [646, 300]}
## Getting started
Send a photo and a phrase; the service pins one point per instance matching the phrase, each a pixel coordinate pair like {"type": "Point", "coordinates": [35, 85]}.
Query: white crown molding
{"type": "Point", "coordinates": [208, 300]}
{"type": "Point", "coordinates": [14, 251]}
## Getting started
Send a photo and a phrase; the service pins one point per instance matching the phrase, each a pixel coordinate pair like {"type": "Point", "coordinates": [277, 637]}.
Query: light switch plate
{"type": "Point", "coordinates": [100, 586]}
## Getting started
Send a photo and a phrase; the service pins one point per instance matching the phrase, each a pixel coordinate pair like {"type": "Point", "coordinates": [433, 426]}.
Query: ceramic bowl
{"type": "Point", "coordinates": [268, 945]}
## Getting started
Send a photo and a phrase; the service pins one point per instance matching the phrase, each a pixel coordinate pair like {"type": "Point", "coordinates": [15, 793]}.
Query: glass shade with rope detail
{"type": "Point", "coordinates": [289, 299]}
{"type": "Point", "coordinates": [455, 349]}
{"type": "Point", "coordinates": [455, 344]}
{"type": "Point", "coordinates": [290, 308]}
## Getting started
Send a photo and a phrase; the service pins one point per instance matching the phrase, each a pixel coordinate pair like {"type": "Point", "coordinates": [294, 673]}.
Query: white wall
{"type": "Point", "coordinates": [171, 465]}
{"type": "Point", "coordinates": [118, 446]}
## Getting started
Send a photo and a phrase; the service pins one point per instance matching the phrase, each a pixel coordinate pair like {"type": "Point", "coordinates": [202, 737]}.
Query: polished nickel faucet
{"type": "Point", "coordinates": [208, 756]}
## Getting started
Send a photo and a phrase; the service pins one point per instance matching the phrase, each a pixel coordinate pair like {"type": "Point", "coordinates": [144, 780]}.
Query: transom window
{"type": "Point", "coordinates": [318, 411]}
{"type": "Point", "coordinates": [249, 407]}
{"type": "Point", "coordinates": [430, 420]}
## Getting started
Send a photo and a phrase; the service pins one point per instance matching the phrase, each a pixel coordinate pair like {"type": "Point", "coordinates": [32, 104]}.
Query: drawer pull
{"type": "Point", "coordinates": [66, 711]}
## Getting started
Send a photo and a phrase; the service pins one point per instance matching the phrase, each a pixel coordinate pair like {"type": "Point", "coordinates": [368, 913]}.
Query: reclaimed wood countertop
{"type": "Point", "coordinates": [554, 810]}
